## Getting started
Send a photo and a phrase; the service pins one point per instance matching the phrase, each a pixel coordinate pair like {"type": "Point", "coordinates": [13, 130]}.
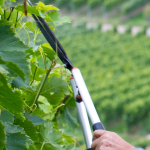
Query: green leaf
{"type": "Point", "coordinates": [18, 82]}
{"type": "Point", "coordinates": [12, 101]}
{"type": "Point", "coordinates": [32, 147]}
{"type": "Point", "coordinates": [43, 7]}
{"type": "Point", "coordinates": [30, 9]}
{"type": "Point", "coordinates": [54, 90]}
{"type": "Point", "coordinates": [49, 52]}
{"type": "Point", "coordinates": [36, 120]}
{"type": "Point", "coordinates": [72, 122]}
{"type": "Point", "coordinates": [32, 26]}
{"type": "Point", "coordinates": [44, 105]}
{"type": "Point", "coordinates": [1, 10]}
{"type": "Point", "coordinates": [1, 2]}
{"type": "Point", "coordinates": [29, 128]}
{"type": "Point", "coordinates": [15, 61]}
{"type": "Point", "coordinates": [8, 41]}
{"type": "Point", "coordinates": [29, 95]}
{"type": "Point", "coordinates": [37, 72]}
{"type": "Point", "coordinates": [13, 128]}
{"type": "Point", "coordinates": [13, 18]}
{"type": "Point", "coordinates": [17, 141]}
{"type": "Point", "coordinates": [12, 51]}
{"type": "Point", "coordinates": [2, 136]}
{"type": "Point", "coordinates": [56, 20]}
{"type": "Point", "coordinates": [54, 138]}
{"type": "Point", "coordinates": [6, 116]}
{"type": "Point", "coordinates": [49, 111]}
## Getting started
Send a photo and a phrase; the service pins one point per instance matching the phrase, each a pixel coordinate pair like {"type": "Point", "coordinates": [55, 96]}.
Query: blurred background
{"type": "Point", "coordinates": [109, 41]}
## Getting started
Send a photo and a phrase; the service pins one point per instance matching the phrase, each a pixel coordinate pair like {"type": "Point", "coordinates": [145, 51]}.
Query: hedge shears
{"type": "Point", "coordinates": [82, 97]}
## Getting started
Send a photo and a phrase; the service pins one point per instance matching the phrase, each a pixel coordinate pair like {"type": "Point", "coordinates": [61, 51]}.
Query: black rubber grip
{"type": "Point", "coordinates": [98, 126]}
{"type": "Point", "coordinates": [89, 149]}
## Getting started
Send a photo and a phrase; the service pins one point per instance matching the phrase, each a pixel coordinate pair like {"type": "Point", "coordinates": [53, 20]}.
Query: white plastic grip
{"type": "Point", "coordinates": [85, 96]}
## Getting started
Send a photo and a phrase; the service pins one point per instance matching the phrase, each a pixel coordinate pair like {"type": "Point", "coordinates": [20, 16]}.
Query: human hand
{"type": "Point", "coordinates": [106, 140]}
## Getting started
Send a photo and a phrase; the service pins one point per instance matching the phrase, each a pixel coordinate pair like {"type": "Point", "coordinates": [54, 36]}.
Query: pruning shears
{"type": "Point", "coordinates": [82, 97]}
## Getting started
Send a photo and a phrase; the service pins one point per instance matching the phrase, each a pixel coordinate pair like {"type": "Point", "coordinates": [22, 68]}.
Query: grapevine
{"type": "Point", "coordinates": [35, 94]}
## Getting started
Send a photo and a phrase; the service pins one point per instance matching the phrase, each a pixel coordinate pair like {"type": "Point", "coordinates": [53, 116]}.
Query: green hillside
{"type": "Point", "coordinates": [116, 69]}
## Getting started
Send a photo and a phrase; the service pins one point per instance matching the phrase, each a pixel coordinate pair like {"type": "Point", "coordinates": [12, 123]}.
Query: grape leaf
{"type": "Point", "coordinates": [54, 15]}
{"type": "Point", "coordinates": [12, 50]}
{"type": "Point", "coordinates": [15, 70]}
{"type": "Point", "coordinates": [32, 26]}
{"type": "Point", "coordinates": [6, 116]}
{"type": "Point", "coordinates": [44, 105]}
{"type": "Point", "coordinates": [54, 138]}
{"type": "Point", "coordinates": [35, 119]}
{"type": "Point", "coordinates": [2, 136]}
{"type": "Point", "coordinates": [43, 7]}
{"type": "Point", "coordinates": [32, 147]}
{"type": "Point", "coordinates": [54, 90]}
{"type": "Point", "coordinates": [13, 128]}
{"type": "Point", "coordinates": [1, 2]}
{"type": "Point", "coordinates": [29, 128]}
{"type": "Point", "coordinates": [18, 82]}
{"type": "Point", "coordinates": [50, 53]}
{"type": "Point", "coordinates": [17, 141]}
{"type": "Point", "coordinates": [15, 61]}
{"type": "Point", "coordinates": [72, 122]}
{"type": "Point", "coordinates": [49, 111]}
{"type": "Point", "coordinates": [1, 11]}
{"type": "Point", "coordinates": [29, 95]}
{"type": "Point", "coordinates": [12, 101]}
{"type": "Point", "coordinates": [30, 9]}
{"type": "Point", "coordinates": [37, 71]}
{"type": "Point", "coordinates": [8, 41]}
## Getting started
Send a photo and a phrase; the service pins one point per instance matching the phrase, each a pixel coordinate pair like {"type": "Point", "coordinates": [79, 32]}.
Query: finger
{"type": "Point", "coordinates": [95, 143]}
{"type": "Point", "coordinates": [98, 133]}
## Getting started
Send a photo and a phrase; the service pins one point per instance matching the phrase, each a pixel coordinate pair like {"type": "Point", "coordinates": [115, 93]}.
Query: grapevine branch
{"type": "Point", "coordinates": [43, 82]}
{"type": "Point", "coordinates": [65, 98]}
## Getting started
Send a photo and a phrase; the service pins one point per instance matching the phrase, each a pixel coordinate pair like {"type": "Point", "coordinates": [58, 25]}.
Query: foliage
{"type": "Point", "coordinates": [34, 89]}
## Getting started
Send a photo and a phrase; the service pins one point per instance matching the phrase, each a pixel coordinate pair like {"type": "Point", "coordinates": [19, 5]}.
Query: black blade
{"type": "Point", "coordinates": [52, 40]}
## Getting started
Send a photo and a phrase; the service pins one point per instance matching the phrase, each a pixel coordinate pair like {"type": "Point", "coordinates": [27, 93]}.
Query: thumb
{"type": "Point", "coordinates": [98, 133]}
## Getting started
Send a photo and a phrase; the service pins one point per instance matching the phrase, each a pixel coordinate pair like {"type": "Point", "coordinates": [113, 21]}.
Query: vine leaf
{"type": "Point", "coordinates": [72, 122]}
{"type": "Point", "coordinates": [2, 136]}
{"type": "Point", "coordinates": [52, 138]}
{"type": "Point", "coordinates": [13, 128]}
{"type": "Point", "coordinates": [32, 147]}
{"type": "Point", "coordinates": [17, 141]}
{"type": "Point", "coordinates": [35, 119]}
{"type": "Point", "coordinates": [29, 95]}
{"type": "Point", "coordinates": [50, 53]}
{"type": "Point", "coordinates": [8, 41]}
{"type": "Point", "coordinates": [12, 101]}
{"type": "Point", "coordinates": [29, 128]}
{"type": "Point", "coordinates": [15, 61]}
{"type": "Point", "coordinates": [54, 90]}
{"type": "Point", "coordinates": [43, 7]}
{"type": "Point", "coordinates": [55, 16]}
{"type": "Point", "coordinates": [32, 26]}
{"type": "Point", "coordinates": [31, 10]}
{"type": "Point", "coordinates": [1, 11]}
{"type": "Point", "coordinates": [6, 116]}
{"type": "Point", "coordinates": [12, 51]}
{"type": "Point", "coordinates": [1, 2]}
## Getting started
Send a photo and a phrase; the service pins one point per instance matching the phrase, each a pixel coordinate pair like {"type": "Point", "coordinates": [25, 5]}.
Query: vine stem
{"type": "Point", "coordinates": [42, 146]}
{"type": "Point", "coordinates": [43, 82]}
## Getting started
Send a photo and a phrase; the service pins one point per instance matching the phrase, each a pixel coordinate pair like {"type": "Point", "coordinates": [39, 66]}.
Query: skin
{"type": "Point", "coordinates": [106, 140]}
